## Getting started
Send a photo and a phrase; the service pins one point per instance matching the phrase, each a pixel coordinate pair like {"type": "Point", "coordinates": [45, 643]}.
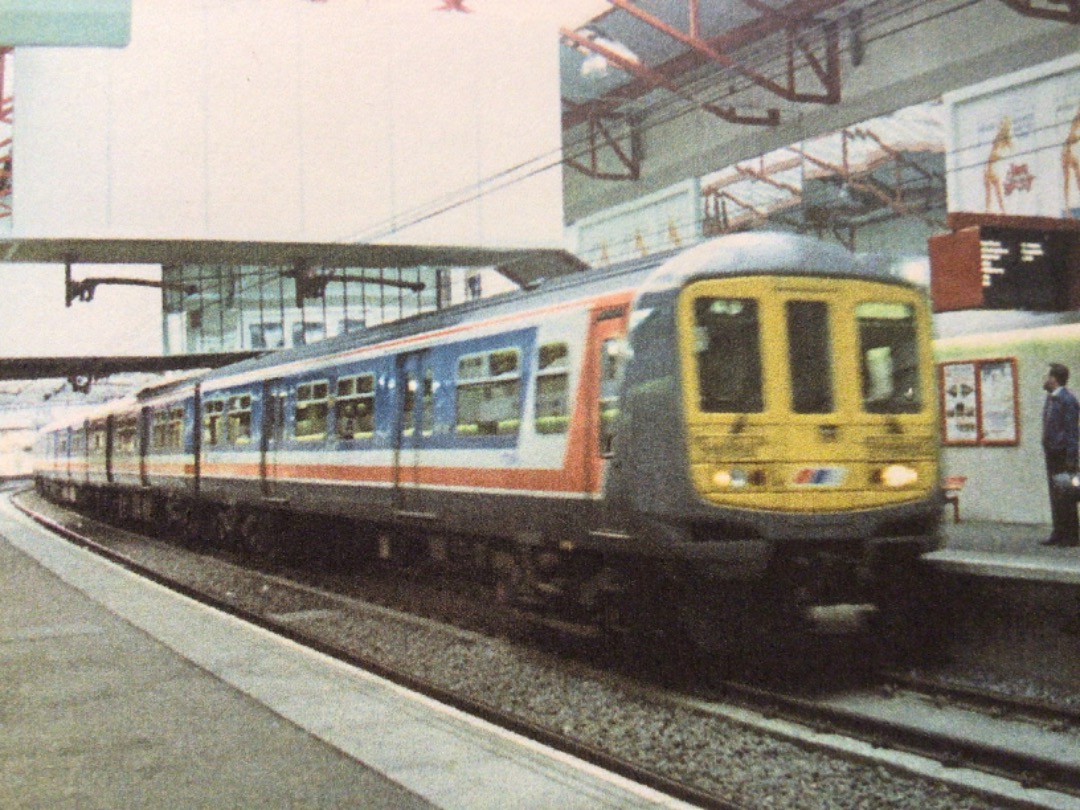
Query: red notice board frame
{"type": "Point", "coordinates": [979, 402]}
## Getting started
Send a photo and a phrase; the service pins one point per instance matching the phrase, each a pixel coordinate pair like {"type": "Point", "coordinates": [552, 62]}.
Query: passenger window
{"type": "Point", "coordinates": [239, 422]}
{"type": "Point", "coordinates": [408, 407]}
{"type": "Point", "coordinates": [552, 387]}
{"type": "Point", "coordinates": [354, 410]}
{"type": "Point", "coordinates": [175, 437]}
{"type": "Point", "coordinates": [312, 410]}
{"type": "Point", "coordinates": [159, 430]}
{"type": "Point", "coordinates": [127, 435]}
{"type": "Point", "coordinates": [424, 390]}
{"type": "Point", "coordinates": [611, 365]}
{"type": "Point", "coordinates": [168, 429]}
{"type": "Point", "coordinates": [213, 412]}
{"type": "Point", "coordinates": [489, 394]}
{"type": "Point", "coordinates": [809, 357]}
{"type": "Point", "coordinates": [427, 413]}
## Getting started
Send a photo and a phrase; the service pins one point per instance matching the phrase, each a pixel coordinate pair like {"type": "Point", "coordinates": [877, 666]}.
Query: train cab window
{"type": "Point", "coordinates": [888, 344]}
{"type": "Point", "coordinates": [809, 356]}
{"type": "Point", "coordinates": [238, 424]}
{"type": "Point", "coordinates": [552, 387]}
{"type": "Point", "coordinates": [213, 412]}
{"type": "Point", "coordinates": [489, 393]}
{"type": "Point", "coordinates": [312, 409]}
{"type": "Point", "coordinates": [727, 344]}
{"type": "Point", "coordinates": [354, 408]}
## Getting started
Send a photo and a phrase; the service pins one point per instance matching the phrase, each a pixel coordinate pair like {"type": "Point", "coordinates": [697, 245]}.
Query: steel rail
{"type": "Point", "coordinates": [951, 751]}
{"type": "Point", "coordinates": [491, 714]}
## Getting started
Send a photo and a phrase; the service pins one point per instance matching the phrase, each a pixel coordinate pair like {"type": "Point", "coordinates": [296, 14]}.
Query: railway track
{"type": "Point", "coordinates": [1029, 742]}
{"type": "Point", "coordinates": [296, 611]}
{"type": "Point", "coordinates": [891, 716]}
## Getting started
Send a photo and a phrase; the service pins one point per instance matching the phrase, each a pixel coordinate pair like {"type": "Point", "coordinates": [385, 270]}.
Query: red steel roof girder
{"type": "Point", "coordinates": [751, 32]}
{"type": "Point", "coordinates": [657, 79]}
{"type": "Point", "coordinates": [1048, 9]}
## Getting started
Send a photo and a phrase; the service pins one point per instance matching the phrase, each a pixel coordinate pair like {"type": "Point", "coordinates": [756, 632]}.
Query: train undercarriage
{"type": "Point", "coordinates": [584, 592]}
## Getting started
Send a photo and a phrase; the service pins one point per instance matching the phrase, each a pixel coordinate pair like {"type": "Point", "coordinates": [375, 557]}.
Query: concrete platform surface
{"type": "Point", "coordinates": [117, 693]}
{"type": "Point", "coordinates": [1006, 550]}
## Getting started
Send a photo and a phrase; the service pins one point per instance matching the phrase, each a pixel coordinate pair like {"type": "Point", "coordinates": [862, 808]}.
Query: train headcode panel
{"type": "Point", "coordinates": [996, 267]}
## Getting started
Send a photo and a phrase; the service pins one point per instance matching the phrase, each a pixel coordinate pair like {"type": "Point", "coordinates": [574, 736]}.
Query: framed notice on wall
{"type": "Point", "coordinates": [979, 402]}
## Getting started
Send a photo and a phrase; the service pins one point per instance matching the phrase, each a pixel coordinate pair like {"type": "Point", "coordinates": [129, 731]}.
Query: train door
{"type": "Point", "coordinates": [110, 447]}
{"type": "Point", "coordinates": [415, 421]}
{"type": "Point", "coordinates": [603, 376]}
{"type": "Point", "coordinates": [272, 435]}
{"type": "Point", "coordinates": [145, 435]}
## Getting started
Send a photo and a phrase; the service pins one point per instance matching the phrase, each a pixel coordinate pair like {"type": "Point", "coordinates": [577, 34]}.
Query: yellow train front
{"type": "Point", "coordinates": [776, 444]}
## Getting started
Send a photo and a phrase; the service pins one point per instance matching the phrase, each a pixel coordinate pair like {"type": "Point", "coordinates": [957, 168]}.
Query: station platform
{"type": "Point", "coordinates": [119, 693]}
{"type": "Point", "coordinates": [1005, 550]}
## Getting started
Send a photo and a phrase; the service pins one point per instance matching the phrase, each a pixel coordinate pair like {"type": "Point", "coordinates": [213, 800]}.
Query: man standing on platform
{"type": "Point", "coordinates": [1060, 439]}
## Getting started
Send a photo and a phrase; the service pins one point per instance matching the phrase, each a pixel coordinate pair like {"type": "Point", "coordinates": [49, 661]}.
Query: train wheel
{"type": "Point", "coordinates": [224, 524]}
{"type": "Point", "coordinates": [259, 534]}
{"type": "Point", "coordinates": [194, 530]}
{"type": "Point", "coordinates": [507, 577]}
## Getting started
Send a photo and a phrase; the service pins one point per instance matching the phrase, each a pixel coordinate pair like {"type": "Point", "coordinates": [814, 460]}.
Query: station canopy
{"type": "Point", "coordinates": [523, 266]}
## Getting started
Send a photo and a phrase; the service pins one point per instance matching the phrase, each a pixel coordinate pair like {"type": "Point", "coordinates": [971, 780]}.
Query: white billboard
{"type": "Point", "coordinates": [1014, 143]}
{"type": "Point", "coordinates": [353, 120]}
{"type": "Point", "coordinates": [65, 22]}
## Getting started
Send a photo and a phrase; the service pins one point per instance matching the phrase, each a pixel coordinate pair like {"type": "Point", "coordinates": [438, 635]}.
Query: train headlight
{"type": "Point", "coordinates": [896, 476]}
{"type": "Point", "coordinates": [725, 479]}
{"type": "Point", "coordinates": [738, 478]}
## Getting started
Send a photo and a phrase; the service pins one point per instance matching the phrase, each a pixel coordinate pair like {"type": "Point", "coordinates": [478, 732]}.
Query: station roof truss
{"type": "Point", "coordinates": [746, 62]}
{"type": "Point", "coordinates": [888, 167]}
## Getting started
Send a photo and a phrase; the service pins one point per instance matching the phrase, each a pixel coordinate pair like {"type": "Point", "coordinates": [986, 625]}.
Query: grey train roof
{"type": "Point", "coordinates": [755, 251]}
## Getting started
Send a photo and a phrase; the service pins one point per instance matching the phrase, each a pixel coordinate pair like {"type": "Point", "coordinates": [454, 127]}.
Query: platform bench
{"type": "Point", "coordinates": [953, 485]}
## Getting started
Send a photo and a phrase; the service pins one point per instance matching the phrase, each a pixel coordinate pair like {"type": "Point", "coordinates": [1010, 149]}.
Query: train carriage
{"type": "Point", "coordinates": [749, 422]}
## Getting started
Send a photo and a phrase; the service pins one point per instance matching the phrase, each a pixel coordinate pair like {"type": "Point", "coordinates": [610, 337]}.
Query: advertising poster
{"type": "Point", "coordinates": [960, 411]}
{"type": "Point", "coordinates": [997, 402]}
{"type": "Point", "coordinates": [979, 402]}
{"type": "Point", "coordinates": [1014, 143]}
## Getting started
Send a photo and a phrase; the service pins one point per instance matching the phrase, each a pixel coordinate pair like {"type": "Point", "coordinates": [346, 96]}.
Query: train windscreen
{"type": "Point", "coordinates": [810, 357]}
{"type": "Point", "coordinates": [888, 341]}
{"type": "Point", "coordinates": [727, 344]}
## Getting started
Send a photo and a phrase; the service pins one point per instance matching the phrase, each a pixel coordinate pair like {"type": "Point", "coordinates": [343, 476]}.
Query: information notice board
{"type": "Point", "coordinates": [979, 402]}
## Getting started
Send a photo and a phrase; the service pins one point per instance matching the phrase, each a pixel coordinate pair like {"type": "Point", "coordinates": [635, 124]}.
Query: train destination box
{"type": "Point", "coordinates": [993, 266]}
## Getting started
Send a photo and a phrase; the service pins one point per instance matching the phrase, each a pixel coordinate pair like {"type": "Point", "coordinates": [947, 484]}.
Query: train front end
{"type": "Point", "coordinates": [809, 454]}
{"type": "Point", "coordinates": [808, 396]}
